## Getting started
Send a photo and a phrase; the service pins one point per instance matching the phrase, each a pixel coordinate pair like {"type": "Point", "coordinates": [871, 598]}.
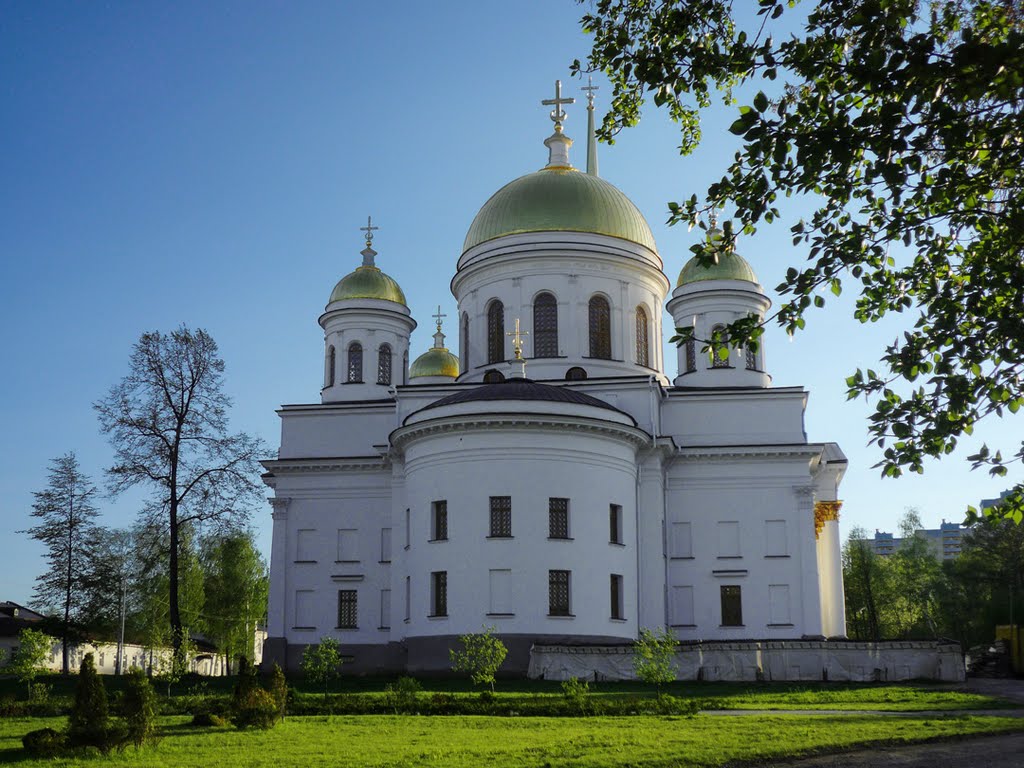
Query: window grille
{"type": "Point", "coordinates": [501, 516]}
{"type": "Point", "coordinates": [600, 328]}
{"type": "Point", "coordinates": [691, 355]}
{"type": "Point", "coordinates": [558, 593]}
{"type": "Point", "coordinates": [347, 608]}
{"type": "Point", "coordinates": [716, 360]}
{"type": "Point", "coordinates": [384, 364]}
{"type": "Point", "coordinates": [440, 521]}
{"type": "Point", "coordinates": [355, 362]}
{"type": "Point", "coordinates": [545, 326]}
{"type": "Point", "coordinates": [558, 518]}
{"type": "Point", "coordinates": [332, 364]}
{"type": "Point", "coordinates": [643, 354]}
{"type": "Point", "coordinates": [751, 359]}
{"type": "Point", "coordinates": [495, 332]}
{"type": "Point", "coordinates": [464, 341]}
{"type": "Point", "coordinates": [439, 593]}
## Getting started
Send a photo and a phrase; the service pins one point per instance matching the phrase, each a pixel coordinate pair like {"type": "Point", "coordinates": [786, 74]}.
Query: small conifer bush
{"type": "Point", "coordinates": [279, 690]}
{"type": "Point", "coordinates": [138, 708]}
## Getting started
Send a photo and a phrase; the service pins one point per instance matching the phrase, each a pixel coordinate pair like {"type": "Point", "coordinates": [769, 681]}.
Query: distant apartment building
{"type": "Point", "coordinates": [944, 541]}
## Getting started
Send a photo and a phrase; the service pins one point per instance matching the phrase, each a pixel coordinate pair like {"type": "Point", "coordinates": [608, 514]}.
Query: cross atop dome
{"type": "Point", "coordinates": [368, 253]}
{"type": "Point", "coordinates": [558, 143]}
{"type": "Point", "coordinates": [439, 337]}
{"type": "Point", "coordinates": [558, 114]}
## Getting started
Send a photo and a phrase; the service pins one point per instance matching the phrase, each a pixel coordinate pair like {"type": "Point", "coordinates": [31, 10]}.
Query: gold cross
{"type": "Point", "coordinates": [437, 317]}
{"type": "Point", "coordinates": [558, 114]}
{"type": "Point", "coordinates": [517, 342]}
{"type": "Point", "coordinates": [368, 229]}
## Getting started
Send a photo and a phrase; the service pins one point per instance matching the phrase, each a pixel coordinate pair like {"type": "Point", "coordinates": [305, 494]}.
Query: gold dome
{"type": "Point", "coordinates": [367, 282]}
{"type": "Point", "coordinates": [437, 361]}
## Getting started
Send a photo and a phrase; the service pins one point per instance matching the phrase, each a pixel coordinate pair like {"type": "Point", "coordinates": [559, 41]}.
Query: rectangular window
{"type": "Point", "coordinates": [558, 593]}
{"type": "Point", "coordinates": [680, 540]}
{"type": "Point", "coordinates": [439, 521]}
{"type": "Point", "coordinates": [728, 539]}
{"type": "Point", "coordinates": [681, 607]}
{"type": "Point", "coordinates": [616, 597]}
{"type": "Point", "coordinates": [385, 609]}
{"type": "Point", "coordinates": [778, 604]}
{"type": "Point", "coordinates": [439, 593]}
{"type": "Point", "coordinates": [615, 523]}
{"type": "Point", "coordinates": [775, 538]}
{"type": "Point", "coordinates": [501, 517]}
{"type": "Point", "coordinates": [732, 606]}
{"type": "Point", "coordinates": [385, 545]}
{"type": "Point", "coordinates": [501, 591]}
{"type": "Point", "coordinates": [347, 611]}
{"type": "Point", "coordinates": [408, 527]}
{"type": "Point", "coordinates": [305, 545]}
{"type": "Point", "coordinates": [558, 518]}
{"type": "Point", "coordinates": [408, 598]}
{"type": "Point", "coordinates": [304, 608]}
{"type": "Point", "coordinates": [347, 546]}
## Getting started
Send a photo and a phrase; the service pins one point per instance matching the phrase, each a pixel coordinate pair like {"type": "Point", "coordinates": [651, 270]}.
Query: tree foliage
{"type": "Point", "coordinates": [66, 512]}
{"type": "Point", "coordinates": [654, 654]}
{"type": "Point", "coordinates": [167, 421]}
{"type": "Point", "coordinates": [89, 717]}
{"type": "Point", "coordinates": [321, 663]}
{"type": "Point", "coordinates": [481, 656]}
{"type": "Point", "coordinates": [901, 122]}
{"type": "Point", "coordinates": [27, 662]}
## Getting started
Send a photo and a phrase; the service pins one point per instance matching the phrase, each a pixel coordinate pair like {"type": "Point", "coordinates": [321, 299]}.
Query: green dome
{"type": "Point", "coordinates": [559, 199]}
{"type": "Point", "coordinates": [730, 266]}
{"type": "Point", "coordinates": [437, 361]}
{"type": "Point", "coordinates": [367, 283]}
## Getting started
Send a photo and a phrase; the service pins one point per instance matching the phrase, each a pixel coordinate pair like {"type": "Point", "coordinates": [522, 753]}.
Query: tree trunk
{"type": "Point", "coordinates": [173, 610]}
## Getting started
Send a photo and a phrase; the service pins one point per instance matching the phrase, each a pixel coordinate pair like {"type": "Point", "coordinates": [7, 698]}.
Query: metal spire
{"type": "Point", "coordinates": [591, 135]}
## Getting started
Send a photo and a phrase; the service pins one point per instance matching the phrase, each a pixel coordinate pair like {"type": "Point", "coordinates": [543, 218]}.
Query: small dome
{"type": "Point", "coordinates": [367, 283]}
{"type": "Point", "coordinates": [559, 199]}
{"type": "Point", "coordinates": [437, 361]}
{"type": "Point", "coordinates": [730, 266]}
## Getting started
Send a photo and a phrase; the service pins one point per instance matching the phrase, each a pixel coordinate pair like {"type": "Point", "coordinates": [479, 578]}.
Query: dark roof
{"type": "Point", "coordinates": [521, 389]}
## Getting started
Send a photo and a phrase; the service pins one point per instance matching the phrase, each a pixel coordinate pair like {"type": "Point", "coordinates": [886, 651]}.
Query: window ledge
{"type": "Point", "coordinates": [732, 626]}
{"type": "Point", "coordinates": [561, 615]}
{"type": "Point", "coordinates": [305, 562]}
{"type": "Point", "coordinates": [729, 557]}
{"type": "Point", "coordinates": [779, 625]}
{"type": "Point", "coordinates": [406, 547]}
{"type": "Point", "coordinates": [383, 629]}
{"type": "Point", "coordinates": [561, 538]}
{"type": "Point", "coordinates": [500, 537]}
{"type": "Point", "coordinates": [682, 557]}
{"type": "Point", "coordinates": [616, 544]}
{"type": "Point", "coordinates": [684, 626]}
{"type": "Point", "coordinates": [384, 562]}
{"type": "Point", "coordinates": [348, 561]}
{"type": "Point", "coordinates": [304, 629]}
{"type": "Point", "coordinates": [617, 619]}
{"type": "Point", "coordinates": [437, 617]}
{"type": "Point", "coordinates": [346, 629]}
{"type": "Point", "coordinates": [500, 615]}
{"type": "Point", "coordinates": [775, 557]}
{"type": "Point", "coordinates": [433, 541]}
{"type": "Point", "coordinates": [352, 382]}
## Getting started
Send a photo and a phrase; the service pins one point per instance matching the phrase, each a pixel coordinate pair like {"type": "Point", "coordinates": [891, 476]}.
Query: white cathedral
{"type": "Point", "coordinates": [551, 480]}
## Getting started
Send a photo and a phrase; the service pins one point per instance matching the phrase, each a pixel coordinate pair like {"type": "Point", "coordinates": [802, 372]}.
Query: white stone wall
{"type": "Point", "coordinates": [750, 661]}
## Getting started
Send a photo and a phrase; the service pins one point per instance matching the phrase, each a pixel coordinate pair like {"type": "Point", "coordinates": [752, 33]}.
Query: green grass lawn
{"type": "Point", "coordinates": [456, 742]}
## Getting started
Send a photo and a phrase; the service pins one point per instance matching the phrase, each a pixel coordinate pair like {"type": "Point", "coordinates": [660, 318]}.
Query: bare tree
{"type": "Point", "coordinates": [167, 422]}
{"type": "Point", "coordinates": [67, 513]}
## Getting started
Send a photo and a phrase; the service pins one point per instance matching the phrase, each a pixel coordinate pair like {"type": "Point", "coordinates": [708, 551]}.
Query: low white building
{"type": "Point", "coordinates": [574, 496]}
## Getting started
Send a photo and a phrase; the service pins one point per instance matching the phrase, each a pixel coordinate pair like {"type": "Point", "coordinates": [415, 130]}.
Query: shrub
{"type": "Point", "coordinates": [320, 662]}
{"type": "Point", "coordinates": [279, 690]}
{"type": "Point", "coordinates": [45, 742]}
{"type": "Point", "coordinates": [39, 693]}
{"type": "Point", "coordinates": [257, 710]}
{"type": "Point", "coordinates": [245, 684]}
{"type": "Point", "coordinates": [481, 656]}
{"type": "Point", "coordinates": [575, 692]}
{"type": "Point", "coordinates": [654, 657]}
{"type": "Point", "coordinates": [403, 694]}
{"type": "Point", "coordinates": [89, 722]}
{"type": "Point", "coordinates": [27, 662]}
{"type": "Point", "coordinates": [212, 711]}
{"type": "Point", "coordinates": [137, 706]}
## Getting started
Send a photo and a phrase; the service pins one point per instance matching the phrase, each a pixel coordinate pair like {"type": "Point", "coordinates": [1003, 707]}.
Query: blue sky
{"type": "Point", "coordinates": [210, 164]}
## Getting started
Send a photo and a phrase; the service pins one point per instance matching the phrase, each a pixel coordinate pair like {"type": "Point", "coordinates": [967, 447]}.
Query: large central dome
{"type": "Point", "coordinates": [559, 199]}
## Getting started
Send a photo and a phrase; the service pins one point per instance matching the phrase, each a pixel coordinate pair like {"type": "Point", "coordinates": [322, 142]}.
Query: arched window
{"type": "Point", "coordinates": [643, 348]}
{"type": "Point", "coordinates": [495, 332]}
{"type": "Point", "coordinates": [691, 355]}
{"type": "Point", "coordinates": [576, 374]}
{"type": "Point", "coordinates": [405, 367]}
{"type": "Point", "coordinates": [384, 364]}
{"type": "Point", "coordinates": [600, 328]}
{"type": "Point", "coordinates": [493, 376]}
{"type": "Point", "coordinates": [545, 326]}
{"type": "Point", "coordinates": [332, 364]}
{"type": "Point", "coordinates": [355, 362]}
{"type": "Point", "coordinates": [717, 361]}
{"type": "Point", "coordinates": [464, 341]}
{"type": "Point", "coordinates": [751, 358]}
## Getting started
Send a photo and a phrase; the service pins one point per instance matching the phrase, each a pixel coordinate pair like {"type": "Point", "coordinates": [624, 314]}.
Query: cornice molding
{"type": "Point", "coordinates": [471, 422]}
{"type": "Point", "coordinates": [317, 465]}
{"type": "Point", "coordinates": [734, 452]}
